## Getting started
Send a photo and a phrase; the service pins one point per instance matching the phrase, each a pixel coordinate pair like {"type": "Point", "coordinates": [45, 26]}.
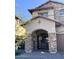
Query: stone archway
{"type": "Point", "coordinates": [40, 40]}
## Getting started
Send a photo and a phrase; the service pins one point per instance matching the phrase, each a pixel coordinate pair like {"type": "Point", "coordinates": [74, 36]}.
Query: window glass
{"type": "Point", "coordinates": [43, 14]}
{"type": "Point", "coordinates": [61, 12]}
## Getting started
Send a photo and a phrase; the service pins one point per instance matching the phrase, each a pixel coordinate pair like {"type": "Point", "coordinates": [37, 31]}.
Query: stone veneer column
{"type": "Point", "coordinates": [28, 44]}
{"type": "Point", "coordinates": [34, 41]}
{"type": "Point", "coordinates": [52, 43]}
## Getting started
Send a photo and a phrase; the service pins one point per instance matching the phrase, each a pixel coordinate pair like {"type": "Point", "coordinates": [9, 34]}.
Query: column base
{"type": "Point", "coordinates": [28, 44]}
{"type": "Point", "coordinates": [53, 52]}
{"type": "Point", "coordinates": [52, 43]}
{"type": "Point", "coordinates": [29, 51]}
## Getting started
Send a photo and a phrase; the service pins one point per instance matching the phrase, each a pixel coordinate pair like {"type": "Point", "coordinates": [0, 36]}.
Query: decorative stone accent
{"type": "Point", "coordinates": [34, 40]}
{"type": "Point", "coordinates": [28, 44]}
{"type": "Point", "coordinates": [52, 43]}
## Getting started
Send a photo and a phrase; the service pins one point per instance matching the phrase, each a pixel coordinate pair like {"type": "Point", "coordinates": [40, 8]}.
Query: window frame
{"type": "Point", "coordinates": [45, 14]}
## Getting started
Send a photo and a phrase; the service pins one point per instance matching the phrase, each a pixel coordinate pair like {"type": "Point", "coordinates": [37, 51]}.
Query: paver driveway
{"type": "Point", "coordinates": [39, 55]}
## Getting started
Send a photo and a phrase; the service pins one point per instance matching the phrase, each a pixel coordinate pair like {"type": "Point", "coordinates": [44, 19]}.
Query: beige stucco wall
{"type": "Point", "coordinates": [44, 24]}
{"type": "Point", "coordinates": [60, 30]}
{"type": "Point", "coordinates": [58, 6]}
{"type": "Point", "coordinates": [51, 13]}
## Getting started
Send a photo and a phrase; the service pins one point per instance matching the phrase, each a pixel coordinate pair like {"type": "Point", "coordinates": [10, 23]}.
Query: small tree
{"type": "Point", "coordinates": [20, 34]}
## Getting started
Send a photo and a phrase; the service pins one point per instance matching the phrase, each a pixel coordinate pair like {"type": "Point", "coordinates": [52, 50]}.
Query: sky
{"type": "Point", "coordinates": [22, 6]}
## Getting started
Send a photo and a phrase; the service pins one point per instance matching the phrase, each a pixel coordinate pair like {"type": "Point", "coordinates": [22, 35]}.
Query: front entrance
{"type": "Point", "coordinates": [40, 40]}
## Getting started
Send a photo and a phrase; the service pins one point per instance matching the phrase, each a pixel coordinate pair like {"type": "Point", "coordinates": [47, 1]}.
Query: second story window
{"type": "Point", "coordinates": [43, 14]}
{"type": "Point", "coordinates": [61, 12]}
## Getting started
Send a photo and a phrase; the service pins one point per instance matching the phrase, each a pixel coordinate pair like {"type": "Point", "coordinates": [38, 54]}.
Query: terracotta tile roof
{"type": "Point", "coordinates": [39, 7]}
{"type": "Point", "coordinates": [49, 2]}
{"type": "Point", "coordinates": [17, 18]}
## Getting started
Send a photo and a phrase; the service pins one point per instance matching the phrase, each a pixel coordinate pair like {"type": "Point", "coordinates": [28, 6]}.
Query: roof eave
{"type": "Point", "coordinates": [58, 23]}
{"type": "Point", "coordinates": [31, 10]}
{"type": "Point", "coordinates": [50, 1]}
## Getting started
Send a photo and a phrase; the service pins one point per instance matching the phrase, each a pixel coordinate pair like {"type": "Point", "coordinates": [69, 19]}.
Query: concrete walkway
{"type": "Point", "coordinates": [41, 55]}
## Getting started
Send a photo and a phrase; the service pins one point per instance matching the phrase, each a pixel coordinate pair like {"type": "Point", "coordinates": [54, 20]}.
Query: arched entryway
{"type": "Point", "coordinates": [40, 40]}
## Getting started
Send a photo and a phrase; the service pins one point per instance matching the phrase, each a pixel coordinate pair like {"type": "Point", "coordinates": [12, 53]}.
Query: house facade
{"type": "Point", "coordinates": [46, 28]}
